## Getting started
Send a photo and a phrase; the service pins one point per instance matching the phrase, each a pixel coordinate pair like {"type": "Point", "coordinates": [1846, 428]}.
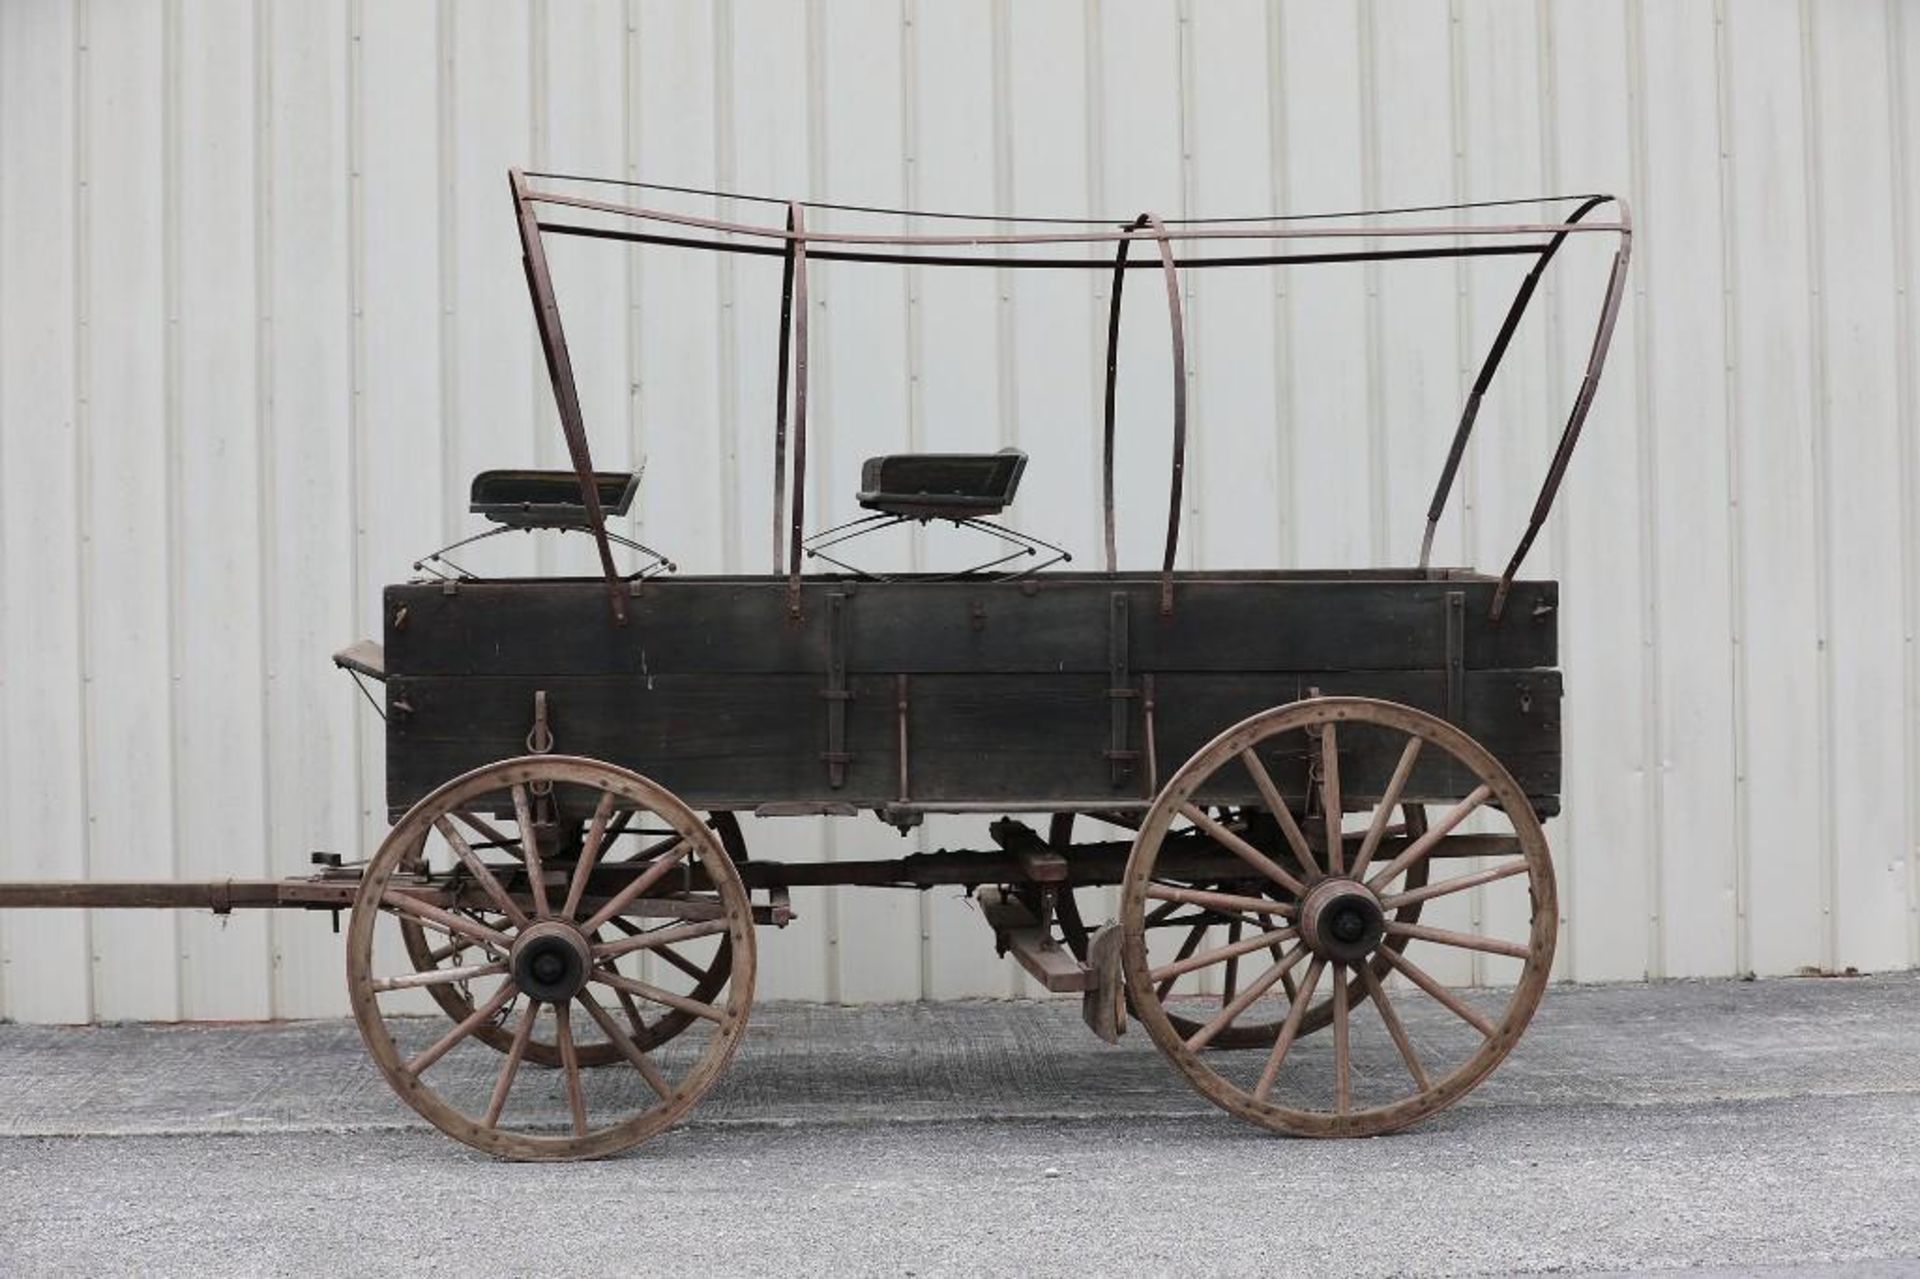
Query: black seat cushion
{"type": "Point", "coordinates": [547, 499]}
{"type": "Point", "coordinates": [953, 486]}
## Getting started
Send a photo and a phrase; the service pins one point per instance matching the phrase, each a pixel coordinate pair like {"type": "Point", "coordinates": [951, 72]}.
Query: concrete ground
{"type": "Point", "coordinates": [1725, 1127]}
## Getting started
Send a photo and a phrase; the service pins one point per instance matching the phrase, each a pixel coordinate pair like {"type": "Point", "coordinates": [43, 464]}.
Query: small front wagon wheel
{"type": "Point", "coordinates": [1334, 914]}
{"type": "Point", "coordinates": [539, 951]}
{"type": "Point", "coordinates": [707, 963]}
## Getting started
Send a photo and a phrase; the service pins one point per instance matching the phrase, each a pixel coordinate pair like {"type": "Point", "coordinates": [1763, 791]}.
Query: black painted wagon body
{"type": "Point", "coordinates": [1289, 767]}
{"type": "Point", "coordinates": [1059, 693]}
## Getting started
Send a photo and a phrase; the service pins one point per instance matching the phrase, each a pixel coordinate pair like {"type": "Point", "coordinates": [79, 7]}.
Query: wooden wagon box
{"type": "Point", "coordinates": [1053, 693]}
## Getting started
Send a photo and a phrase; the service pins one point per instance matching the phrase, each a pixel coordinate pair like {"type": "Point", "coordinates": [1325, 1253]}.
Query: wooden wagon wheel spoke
{"type": "Point", "coordinates": [1289, 828]}
{"type": "Point", "coordinates": [570, 1066]}
{"type": "Point", "coordinates": [1389, 800]}
{"type": "Point", "coordinates": [1194, 934]}
{"type": "Point", "coordinates": [1343, 936]}
{"type": "Point", "coordinates": [1456, 884]}
{"type": "Point", "coordinates": [1242, 849]}
{"type": "Point", "coordinates": [1464, 941]}
{"type": "Point", "coordinates": [1447, 999]}
{"type": "Point", "coordinates": [624, 1043]}
{"type": "Point", "coordinates": [1227, 905]}
{"type": "Point", "coordinates": [438, 976]}
{"type": "Point", "coordinates": [548, 957]}
{"type": "Point", "coordinates": [1342, 1044]}
{"type": "Point", "coordinates": [649, 851]}
{"type": "Point", "coordinates": [1330, 799]}
{"type": "Point", "coordinates": [652, 875]}
{"type": "Point", "coordinates": [445, 1044]}
{"type": "Point", "coordinates": [680, 961]}
{"type": "Point", "coordinates": [1424, 845]}
{"type": "Point", "coordinates": [589, 854]}
{"type": "Point", "coordinates": [1290, 1029]}
{"type": "Point", "coordinates": [659, 938]}
{"type": "Point", "coordinates": [522, 1033]}
{"type": "Point", "coordinates": [489, 833]}
{"type": "Point", "coordinates": [530, 851]}
{"type": "Point", "coordinates": [654, 994]}
{"type": "Point", "coordinates": [618, 826]}
{"type": "Point", "coordinates": [1230, 979]}
{"type": "Point", "coordinates": [1377, 994]}
{"type": "Point", "coordinates": [1162, 911]}
{"type": "Point", "coordinates": [1273, 948]}
{"type": "Point", "coordinates": [1214, 904]}
{"type": "Point", "coordinates": [642, 1028]}
{"type": "Point", "coordinates": [1225, 954]}
{"type": "Point", "coordinates": [441, 954]}
{"type": "Point", "coordinates": [482, 876]}
{"type": "Point", "coordinates": [1266, 922]}
{"type": "Point", "coordinates": [395, 900]}
{"type": "Point", "coordinates": [1241, 1002]}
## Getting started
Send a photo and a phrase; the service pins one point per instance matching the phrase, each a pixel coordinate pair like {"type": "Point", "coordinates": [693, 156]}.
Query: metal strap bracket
{"type": "Point", "coordinates": [1456, 655]}
{"type": "Point", "coordinates": [836, 693]}
{"type": "Point", "coordinates": [1120, 692]}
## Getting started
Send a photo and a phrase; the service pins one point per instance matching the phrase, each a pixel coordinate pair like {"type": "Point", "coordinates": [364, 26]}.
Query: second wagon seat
{"type": "Point", "coordinates": [549, 501]}
{"type": "Point", "coordinates": [964, 490]}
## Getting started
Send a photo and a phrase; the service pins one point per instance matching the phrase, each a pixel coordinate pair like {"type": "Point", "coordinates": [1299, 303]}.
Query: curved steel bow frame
{"type": "Point", "coordinates": [1273, 237]}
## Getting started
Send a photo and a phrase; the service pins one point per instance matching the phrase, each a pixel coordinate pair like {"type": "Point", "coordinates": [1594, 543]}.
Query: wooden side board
{"type": "Point", "coordinates": [1057, 693]}
{"type": "Point", "coordinates": [1044, 623]}
{"type": "Point", "coordinates": [742, 741]}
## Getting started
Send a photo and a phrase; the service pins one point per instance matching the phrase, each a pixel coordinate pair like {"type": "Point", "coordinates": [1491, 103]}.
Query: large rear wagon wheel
{"type": "Point", "coordinates": [1337, 921]}
{"type": "Point", "coordinates": [1195, 926]}
{"type": "Point", "coordinates": [540, 955]}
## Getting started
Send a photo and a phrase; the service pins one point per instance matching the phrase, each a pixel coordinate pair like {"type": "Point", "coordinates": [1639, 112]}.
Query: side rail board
{"type": "Point", "coordinates": [957, 696]}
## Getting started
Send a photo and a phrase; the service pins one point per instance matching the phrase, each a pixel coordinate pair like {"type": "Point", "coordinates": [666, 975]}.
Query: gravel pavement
{"type": "Point", "coordinates": [1730, 1128]}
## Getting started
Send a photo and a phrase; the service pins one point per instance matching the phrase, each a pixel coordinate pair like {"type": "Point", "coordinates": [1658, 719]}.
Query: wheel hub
{"type": "Point", "coordinates": [1341, 920]}
{"type": "Point", "coordinates": [551, 961]}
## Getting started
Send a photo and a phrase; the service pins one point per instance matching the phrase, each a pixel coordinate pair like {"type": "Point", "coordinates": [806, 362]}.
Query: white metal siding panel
{"type": "Point", "coordinates": [1903, 59]}
{"type": "Point", "coordinates": [48, 967]}
{"type": "Point", "coordinates": [1602, 840]}
{"type": "Point", "coordinates": [219, 800]}
{"type": "Point", "coordinates": [1782, 628]}
{"type": "Point", "coordinates": [261, 319]}
{"type": "Point", "coordinates": [1869, 774]}
{"type": "Point", "coordinates": [313, 785]}
{"type": "Point", "coordinates": [1691, 654]}
{"type": "Point", "coordinates": [124, 446]}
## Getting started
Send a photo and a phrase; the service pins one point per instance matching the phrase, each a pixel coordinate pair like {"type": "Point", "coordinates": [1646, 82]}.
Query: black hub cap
{"type": "Point", "coordinates": [1342, 922]}
{"type": "Point", "coordinates": [550, 966]}
{"type": "Point", "coordinates": [1349, 925]}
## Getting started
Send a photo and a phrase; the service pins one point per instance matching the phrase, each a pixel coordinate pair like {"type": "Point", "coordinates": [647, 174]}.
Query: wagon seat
{"type": "Point", "coordinates": [965, 489]}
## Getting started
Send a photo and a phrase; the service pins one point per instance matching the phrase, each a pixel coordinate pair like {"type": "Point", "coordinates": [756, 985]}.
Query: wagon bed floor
{"type": "Point", "coordinates": [1711, 1124]}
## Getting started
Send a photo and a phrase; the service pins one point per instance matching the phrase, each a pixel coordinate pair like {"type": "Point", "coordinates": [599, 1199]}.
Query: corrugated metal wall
{"type": "Point", "coordinates": [261, 317]}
